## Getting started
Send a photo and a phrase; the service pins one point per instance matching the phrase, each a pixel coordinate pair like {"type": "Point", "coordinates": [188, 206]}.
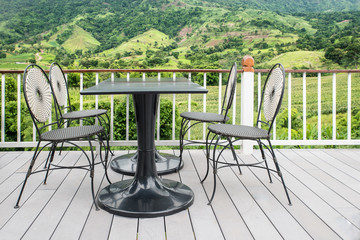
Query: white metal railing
{"type": "Point", "coordinates": [236, 114]}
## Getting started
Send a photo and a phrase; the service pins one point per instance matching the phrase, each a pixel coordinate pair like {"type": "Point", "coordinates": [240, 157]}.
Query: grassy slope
{"type": "Point", "coordinates": [298, 59]}
{"type": "Point", "coordinates": [142, 42]}
{"type": "Point", "coordinates": [80, 39]}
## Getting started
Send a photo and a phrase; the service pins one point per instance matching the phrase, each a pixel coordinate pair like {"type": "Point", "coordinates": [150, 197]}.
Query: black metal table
{"type": "Point", "coordinates": [146, 195]}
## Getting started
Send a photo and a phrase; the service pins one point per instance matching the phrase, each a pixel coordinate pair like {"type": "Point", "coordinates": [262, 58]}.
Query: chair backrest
{"type": "Point", "coordinates": [59, 86]}
{"type": "Point", "coordinates": [38, 95]}
{"type": "Point", "coordinates": [272, 95]}
{"type": "Point", "coordinates": [229, 91]}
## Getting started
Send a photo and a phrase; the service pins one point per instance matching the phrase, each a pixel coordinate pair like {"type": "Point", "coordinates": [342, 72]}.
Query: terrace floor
{"type": "Point", "coordinates": [324, 187]}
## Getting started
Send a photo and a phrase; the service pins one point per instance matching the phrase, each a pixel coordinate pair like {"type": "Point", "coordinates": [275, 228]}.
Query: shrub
{"type": "Point", "coordinates": [165, 120]}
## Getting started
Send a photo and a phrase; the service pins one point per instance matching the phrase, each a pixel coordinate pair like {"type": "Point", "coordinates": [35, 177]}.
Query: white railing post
{"type": "Point", "coordinates": [319, 107]}
{"type": "Point", "coordinates": [289, 107]}
{"type": "Point", "coordinates": [158, 114]}
{"type": "Point", "coordinates": [112, 111]}
{"type": "Point", "coordinates": [81, 96]}
{"type": "Point", "coordinates": [304, 106]}
{"type": "Point", "coordinates": [247, 100]}
{"type": "Point", "coordinates": [19, 108]}
{"type": "Point", "coordinates": [334, 106]}
{"type": "Point", "coordinates": [127, 109]}
{"type": "Point", "coordinates": [189, 107]}
{"type": "Point", "coordinates": [3, 108]}
{"type": "Point", "coordinates": [204, 108]}
{"type": "Point", "coordinates": [349, 108]}
{"type": "Point", "coordinates": [173, 110]}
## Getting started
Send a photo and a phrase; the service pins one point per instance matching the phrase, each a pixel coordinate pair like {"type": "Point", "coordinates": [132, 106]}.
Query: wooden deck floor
{"type": "Point", "coordinates": [324, 187]}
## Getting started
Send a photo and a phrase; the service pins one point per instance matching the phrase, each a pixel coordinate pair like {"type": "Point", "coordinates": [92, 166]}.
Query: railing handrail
{"type": "Point", "coordinates": [190, 70]}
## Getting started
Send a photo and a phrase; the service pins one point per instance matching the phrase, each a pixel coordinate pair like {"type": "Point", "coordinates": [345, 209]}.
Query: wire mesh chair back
{"type": "Point", "coordinates": [59, 86]}
{"type": "Point", "coordinates": [37, 94]}
{"type": "Point", "coordinates": [229, 91]}
{"type": "Point", "coordinates": [272, 95]}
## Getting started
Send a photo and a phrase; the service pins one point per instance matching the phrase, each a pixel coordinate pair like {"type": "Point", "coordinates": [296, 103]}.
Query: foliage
{"type": "Point", "coordinates": [120, 123]}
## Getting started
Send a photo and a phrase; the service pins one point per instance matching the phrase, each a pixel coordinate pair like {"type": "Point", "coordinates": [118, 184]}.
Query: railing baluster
{"type": "Point", "coordinates": [304, 106]}
{"type": "Point", "coordinates": [19, 107]}
{"type": "Point", "coordinates": [204, 107]}
{"type": "Point", "coordinates": [173, 110]}
{"type": "Point", "coordinates": [234, 107]}
{"type": "Point", "coordinates": [127, 110]}
{"type": "Point", "coordinates": [97, 96]}
{"type": "Point", "coordinates": [349, 108]}
{"type": "Point", "coordinates": [66, 102]}
{"type": "Point", "coordinates": [3, 108]}
{"type": "Point", "coordinates": [334, 106]}
{"type": "Point", "coordinates": [220, 90]}
{"type": "Point", "coordinates": [81, 96]}
{"type": "Point", "coordinates": [319, 106]}
{"type": "Point", "coordinates": [112, 111]}
{"type": "Point", "coordinates": [158, 114]}
{"type": "Point", "coordinates": [259, 95]}
{"type": "Point", "coordinates": [189, 108]}
{"type": "Point", "coordinates": [289, 107]}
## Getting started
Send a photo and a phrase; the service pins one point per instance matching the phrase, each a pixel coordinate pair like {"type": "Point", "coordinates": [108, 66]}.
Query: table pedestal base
{"type": "Point", "coordinates": [165, 163]}
{"type": "Point", "coordinates": [158, 197]}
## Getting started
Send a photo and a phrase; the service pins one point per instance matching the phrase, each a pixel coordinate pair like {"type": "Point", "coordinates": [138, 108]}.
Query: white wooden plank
{"type": "Point", "coordinates": [305, 216]}
{"type": "Point", "coordinates": [202, 216]}
{"type": "Point", "coordinates": [102, 224]}
{"type": "Point", "coordinates": [17, 225]}
{"type": "Point", "coordinates": [178, 226]}
{"type": "Point", "coordinates": [123, 226]}
{"type": "Point", "coordinates": [13, 166]}
{"type": "Point", "coordinates": [347, 156]}
{"type": "Point", "coordinates": [72, 222]}
{"type": "Point", "coordinates": [7, 206]}
{"type": "Point", "coordinates": [342, 192]}
{"type": "Point", "coordinates": [281, 220]}
{"type": "Point", "coordinates": [327, 213]}
{"type": "Point", "coordinates": [151, 228]}
{"type": "Point", "coordinates": [329, 161]}
{"type": "Point", "coordinates": [231, 218]}
{"type": "Point", "coordinates": [46, 222]}
{"type": "Point", "coordinates": [7, 157]}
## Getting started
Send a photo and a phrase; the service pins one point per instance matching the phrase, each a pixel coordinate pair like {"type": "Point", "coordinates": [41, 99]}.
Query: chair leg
{"type": "Point", "coordinates": [207, 147]}
{"type": "Point", "coordinates": [47, 160]}
{"type": "Point", "coordinates": [105, 162]}
{"type": "Point", "coordinates": [279, 171]}
{"type": "Point", "coordinates": [62, 144]}
{"type": "Point", "coordinates": [181, 139]}
{"type": "Point", "coordinates": [264, 158]}
{"type": "Point", "coordinates": [28, 174]}
{"type": "Point", "coordinates": [108, 134]}
{"type": "Point", "coordinates": [234, 154]}
{"type": "Point", "coordinates": [215, 162]}
{"type": "Point", "coordinates": [92, 170]}
{"type": "Point", "coordinates": [51, 153]}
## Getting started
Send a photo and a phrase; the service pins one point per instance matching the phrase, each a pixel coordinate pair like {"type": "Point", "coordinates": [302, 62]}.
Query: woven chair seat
{"type": "Point", "coordinates": [204, 116]}
{"type": "Point", "coordinates": [239, 131]}
{"type": "Point", "coordinates": [71, 133]}
{"type": "Point", "coordinates": [84, 114]}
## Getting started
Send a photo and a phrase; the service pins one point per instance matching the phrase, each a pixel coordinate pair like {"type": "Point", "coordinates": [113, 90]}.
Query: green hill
{"type": "Point", "coordinates": [300, 60]}
{"type": "Point", "coordinates": [150, 40]}
{"type": "Point", "coordinates": [80, 40]}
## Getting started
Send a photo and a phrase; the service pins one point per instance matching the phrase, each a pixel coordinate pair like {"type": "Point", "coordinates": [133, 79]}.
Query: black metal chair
{"type": "Point", "coordinates": [271, 99]}
{"type": "Point", "coordinates": [207, 117]}
{"type": "Point", "coordinates": [61, 92]}
{"type": "Point", "coordinates": [38, 97]}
